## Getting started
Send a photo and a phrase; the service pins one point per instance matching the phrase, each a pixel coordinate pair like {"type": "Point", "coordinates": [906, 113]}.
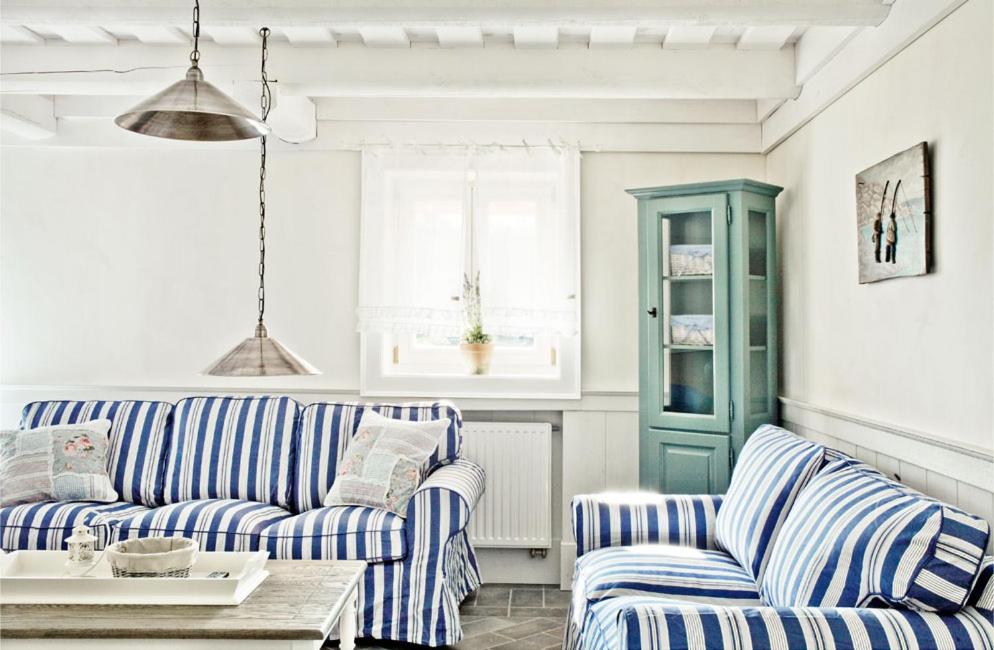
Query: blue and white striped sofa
{"type": "Point", "coordinates": [808, 549]}
{"type": "Point", "coordinates": [249, 473]}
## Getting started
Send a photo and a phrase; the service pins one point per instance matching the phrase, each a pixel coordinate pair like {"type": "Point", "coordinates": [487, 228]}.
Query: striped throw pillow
{"type": "Point", "coordinates": [774, 466]}
{"type": "Point", "coordinates": [856, 539]}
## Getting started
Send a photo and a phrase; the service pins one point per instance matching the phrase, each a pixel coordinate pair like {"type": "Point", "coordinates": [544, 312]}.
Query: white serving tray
{"type": "Point", "coordinates": [39, 577]}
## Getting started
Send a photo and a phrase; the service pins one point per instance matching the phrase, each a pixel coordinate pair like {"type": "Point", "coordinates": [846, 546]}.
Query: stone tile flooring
{"type": "Point", "coordinates": [505, 617]}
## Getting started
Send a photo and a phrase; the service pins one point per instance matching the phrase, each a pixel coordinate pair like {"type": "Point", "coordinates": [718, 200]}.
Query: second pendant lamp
{"type": "Point", "coordinates": [260, 355]}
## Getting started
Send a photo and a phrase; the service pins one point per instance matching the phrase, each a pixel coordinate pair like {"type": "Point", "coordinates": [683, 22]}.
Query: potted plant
{"type": "Point", "coordinates": [476, 345]}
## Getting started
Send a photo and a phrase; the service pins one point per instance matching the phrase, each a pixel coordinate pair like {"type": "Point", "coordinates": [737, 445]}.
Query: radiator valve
{"type": "Point", "coordinates": [538, 552]}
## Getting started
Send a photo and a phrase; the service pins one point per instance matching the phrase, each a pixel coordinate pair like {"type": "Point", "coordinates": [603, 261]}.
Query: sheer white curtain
{"type": "Point", "coordinates": [429, 216]}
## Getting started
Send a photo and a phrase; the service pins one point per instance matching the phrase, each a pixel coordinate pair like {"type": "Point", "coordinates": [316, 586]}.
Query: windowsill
{"type": "Point", "coordinates": [564, 385]}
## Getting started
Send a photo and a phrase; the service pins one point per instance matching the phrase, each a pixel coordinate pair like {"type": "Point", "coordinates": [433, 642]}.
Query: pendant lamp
{"type": "Point", "coordinates": [260, 355]}
{"type": "Point", "coordinates": [193, 109]}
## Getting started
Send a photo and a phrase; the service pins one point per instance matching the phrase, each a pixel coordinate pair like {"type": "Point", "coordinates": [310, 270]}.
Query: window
{"type": "Point", "coordinates": [430, 220]}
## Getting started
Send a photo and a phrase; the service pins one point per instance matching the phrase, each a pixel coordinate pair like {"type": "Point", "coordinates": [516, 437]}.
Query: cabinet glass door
{"type": "Point", "coordinates": [760, 371]}
{"type": "Point", "coordinates": [686, 312]}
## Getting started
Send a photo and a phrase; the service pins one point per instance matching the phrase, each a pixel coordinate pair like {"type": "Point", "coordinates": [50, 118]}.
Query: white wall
{"type": "Point", "coordinates": [917, 353]}
{"type": "Point", "coordinates": [136, 267]}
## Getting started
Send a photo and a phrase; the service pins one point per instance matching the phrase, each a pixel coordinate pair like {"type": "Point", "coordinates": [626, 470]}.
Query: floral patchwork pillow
{"type": "Point", "coordinates": [66, 462]}
{"type": "Point", "coordinates": [385, 462]}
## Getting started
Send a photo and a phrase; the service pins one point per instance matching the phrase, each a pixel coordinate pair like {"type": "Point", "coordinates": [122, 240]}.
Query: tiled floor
{"type": "Point", "coordinates": [506, 617]}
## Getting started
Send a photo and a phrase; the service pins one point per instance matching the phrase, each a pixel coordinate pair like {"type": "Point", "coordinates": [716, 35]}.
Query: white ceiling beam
{"type": "Point", "coordinates": [544, 109]}
{"type": "Point", "coordinates": [688, 37]}
{"type": "Point", "coordinates": [765, 107]}
{"type": "Point", "coordinates": [862, 55]}
{"type": "Point", "coordinates": [308, 36]}
{"type": "Point", "coordinates": [17, 35]}
{"type": "Point", "coordinates": [459, 36]}
{"type": "Point", "coordinates": [157, 35]}
{"type": "Point", "coordinates": [82, 34]}
{"type": "Point", "coordinates": [253, 13]}
{"type": "Point", "coordinates": [469, 109]}
{"type": "Point", "coordinates": [536, 37]}
{"type": "Point", "coordinates": [647, 73]}
{"type": "Point", "coordinates": [769, 37]}
{"type": "Point", "coordinates": [28, 116]}
{"type": "Point", "coordinates": [232, 35]}
{"type": "Point", "coordinates": [384, 36]}
{"type": "Point", "coordinates": [612, 35]}
{"type": "Point", "coordinates": [817, 46]}
{"type": "Point", "coordinates": [683, 138]}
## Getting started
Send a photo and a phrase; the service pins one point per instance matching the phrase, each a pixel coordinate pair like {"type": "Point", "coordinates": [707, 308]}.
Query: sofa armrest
{"type": "Point", "coordinates": [445, 501]}
{"type": "Point", "coordinates": [611, 519]}
{"type": "Point", "coordinates": [654, 624]}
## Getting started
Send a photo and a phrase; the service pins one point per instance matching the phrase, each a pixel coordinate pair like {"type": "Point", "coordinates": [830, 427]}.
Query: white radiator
{"type": "Point", "coordinates": [516, 509]}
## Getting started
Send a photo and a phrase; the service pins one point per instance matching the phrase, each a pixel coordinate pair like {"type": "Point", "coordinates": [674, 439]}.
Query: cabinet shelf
{"type": "Point", "coordinates": [757, 277]}
{"type": "Point", "coordinates": [757, 348]}
{"type": "Point", "coordinates": [687, 278]}
{"type": "Point", "coordinates": [689, 348]}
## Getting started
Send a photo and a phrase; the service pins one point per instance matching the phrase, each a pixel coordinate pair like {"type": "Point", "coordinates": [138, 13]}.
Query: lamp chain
{"type": "Point", "coordinates": [265, 100]}
{"type": "Point", "coordinates": [195, 54]}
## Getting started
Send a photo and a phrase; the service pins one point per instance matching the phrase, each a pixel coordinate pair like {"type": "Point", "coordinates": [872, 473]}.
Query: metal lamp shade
{"type": "Point", "coordinates": [260, 356]}
{"type": "Point", "coordinates": [193, 109]}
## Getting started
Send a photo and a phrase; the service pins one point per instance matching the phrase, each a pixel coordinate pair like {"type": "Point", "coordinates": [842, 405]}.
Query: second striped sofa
{"type": "Point", "coordinates": [250, 473]}
{"type": "Point", "coordinates": [808, 549]}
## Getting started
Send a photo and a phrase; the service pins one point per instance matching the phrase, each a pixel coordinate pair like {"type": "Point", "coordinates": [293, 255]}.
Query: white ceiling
{"type": "Point", "coordinates": [452, 23]}
{"type": "Point", "coordinates": [650, 73]}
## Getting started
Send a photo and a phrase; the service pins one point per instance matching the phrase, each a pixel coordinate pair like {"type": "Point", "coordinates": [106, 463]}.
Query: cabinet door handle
{"type": "Point", "coordinates": [652, 312]}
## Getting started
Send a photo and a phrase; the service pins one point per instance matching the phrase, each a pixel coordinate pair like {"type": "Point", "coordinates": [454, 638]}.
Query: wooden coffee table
{"type": "Point", "coordinates": [296, 608]}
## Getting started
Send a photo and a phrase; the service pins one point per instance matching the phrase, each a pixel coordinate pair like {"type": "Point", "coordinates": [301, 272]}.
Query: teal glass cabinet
{"type": "Point", "coordinates": [707, 329]}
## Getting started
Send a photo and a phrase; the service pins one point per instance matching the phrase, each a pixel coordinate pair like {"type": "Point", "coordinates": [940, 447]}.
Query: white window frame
{"type": "Point", "coordinates": [391, 363]}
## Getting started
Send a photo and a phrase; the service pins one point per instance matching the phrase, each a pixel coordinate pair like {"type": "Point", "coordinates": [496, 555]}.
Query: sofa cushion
{"type": "Point", "coordinates": [232, 448]}
{"type": "Point", "coordinates": [856, 539]}
{"type": "Point", "coordinates": [658, 570]}
{"type": "Point", "coordinates": [656, 624]}
{"type": "Point", "coordinates": [772, 469]}
{"type": "Point", "coordinates": [217, 524]}
{"type": "Point", "coordinates": [138, 436]}
{"type": "Point", "coordinates": [982, 594]}
{"type": "Point", "coordinates": [338, 533]}
{"type": "Point", "coordinates": [326, 429]}
{"type": "Point", "coordinates": [45, 526]}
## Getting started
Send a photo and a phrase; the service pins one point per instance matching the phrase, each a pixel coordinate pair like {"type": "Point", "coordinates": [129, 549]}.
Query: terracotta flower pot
{"type": "Point", "coordinates": [477, 356]}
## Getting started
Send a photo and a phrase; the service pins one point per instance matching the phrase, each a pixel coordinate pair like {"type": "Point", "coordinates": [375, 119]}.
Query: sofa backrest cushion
{"type": "Point", "coordinates": [772, 469]}
{"type": "Point", "coordinates": [856, 539]}
{"type": "Point", "coordinates": [139, 433]}
{"type": "Point", "coordinates": [232, 448]}
{"type": "Point", "coordinates": [326, 429]}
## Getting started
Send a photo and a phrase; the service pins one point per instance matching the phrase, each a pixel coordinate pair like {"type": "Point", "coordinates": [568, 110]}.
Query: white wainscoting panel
{"type": "Point", "coordinates": [600, 453]}
{"type": "Point", "coordinates": [516, 509]}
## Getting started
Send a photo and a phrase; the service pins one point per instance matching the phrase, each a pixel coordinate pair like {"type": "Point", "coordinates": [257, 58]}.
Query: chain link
{"type": "Point", "coordinates": [265, 100]}
{"type": "Point", "coordinates": [195, 54]}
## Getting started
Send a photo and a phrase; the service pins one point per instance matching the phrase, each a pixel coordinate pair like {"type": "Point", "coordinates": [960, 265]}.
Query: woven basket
{"type": "Point", "coordinates": [153, 557]}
